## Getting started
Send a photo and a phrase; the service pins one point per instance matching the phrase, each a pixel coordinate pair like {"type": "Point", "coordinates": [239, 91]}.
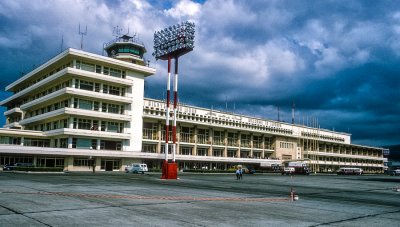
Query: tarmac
{"type": "Point", "coordinates": [119, 199]}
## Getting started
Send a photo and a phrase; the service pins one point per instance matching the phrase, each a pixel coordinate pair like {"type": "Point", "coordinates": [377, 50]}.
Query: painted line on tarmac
{"type": "Point", "coordinates": [171, 198]}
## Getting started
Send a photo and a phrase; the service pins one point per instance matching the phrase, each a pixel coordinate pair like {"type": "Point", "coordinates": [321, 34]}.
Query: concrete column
{"type": "Point", "coordinates": [52, 142]}
{"type": "Point", "coordinates": [71, 122]}
{"type": "Point", "coordinates": [178, 138]}
{"type": "Point", "coordinates": [194, 151]}
{"type": "Point", "coordinates": [210, 141]}
{"type": "Point", "coordinates": [22, 141]}
{"type": "Point", "coordinates": [159, 128]}
{"type": "Point", "coordinates": [263, 146]}
{"type": "Point", "coordinates": [68, 163]}
{"type": "Point", "coordinates": [225, 154]}
{"type": "Point", "coordinates": [69, 141]}
{"type": "Point", "coordinates": [34, 161]}
{"type": "Point", "coordinates": [239, 143]}
{"type": "Point", "coordinates": [73, 81]}
{"type": "Point", "coordinates": [98, 144]}
{"type": "Point", "coordinates": [71, 104]}
{"type": "Point", "coordinates": [251, 145]}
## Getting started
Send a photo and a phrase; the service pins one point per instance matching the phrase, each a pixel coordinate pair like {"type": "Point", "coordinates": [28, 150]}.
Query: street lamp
{"type": "Point", "coordinates": [172, 42]}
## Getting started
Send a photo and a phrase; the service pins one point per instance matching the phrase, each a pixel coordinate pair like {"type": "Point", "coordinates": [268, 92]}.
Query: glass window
{"type": "Point", "coordinates": [115, 73]}
{"type": "Point", "coordinates": [112, 108]}
{"type": "Point", "coordinates": [85, 104]}
{"type": "Point", "coordinates": [84, 124]}
{"type": "Point", "coordinates": [98, 69]}
{"type": "Point", "coordinates": [86, 85]}
{"type": "Point", "coordinates": [114, 90]}
{"type": "Point", "coordinates": [87, 67]}
{"type": "Point", "coordinates": [106, 71]}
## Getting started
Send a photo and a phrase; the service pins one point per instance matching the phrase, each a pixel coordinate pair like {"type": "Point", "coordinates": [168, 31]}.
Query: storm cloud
{"type": "Point", "coordinates": [337, 61]}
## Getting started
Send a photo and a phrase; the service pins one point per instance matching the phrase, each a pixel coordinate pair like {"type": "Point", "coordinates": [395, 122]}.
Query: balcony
{"type": "Point", "coordinates": [149, 134]}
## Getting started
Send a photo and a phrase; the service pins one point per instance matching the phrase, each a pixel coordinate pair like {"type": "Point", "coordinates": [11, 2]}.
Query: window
{"type": "Point", "coordinates": [96, 106]}
{"type": "Point", "coordinates": [106, 70]}
{"type": "Point", "coordinates": [98, 69]}
{"type": "Point", "coordinates": [112, 108]}
{"type": "Point", "coordinates": [115, 73]}
{"type": "Point", "coordinates": [114, 90]}
{"type": "Point", "coordinates": [81, 162]}
{"type": "Point", "coordinates": [97, 87]}
{"type": "Point", "coordinates": [85, 85]}
{"type": "Point", "coordinates": [85, 104]}
{"type": "Point", "coordinates": [112, 127]}
{"type": "Point", "coordinates": [87, 67]}
{"type": "Point", "coordinates": [84, 124]}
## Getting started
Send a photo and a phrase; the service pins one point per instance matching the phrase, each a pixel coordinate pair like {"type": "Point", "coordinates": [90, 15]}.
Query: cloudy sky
{"type": "Point", "coordinates": [338, 61]}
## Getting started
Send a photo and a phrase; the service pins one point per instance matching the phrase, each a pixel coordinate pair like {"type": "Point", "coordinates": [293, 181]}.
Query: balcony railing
{"type": "Point", "coordinates": [202, 139]}
{"type": "Point", "coordinates": [149, 134]}
{"type": "Point", "coordinates": [186, 137]}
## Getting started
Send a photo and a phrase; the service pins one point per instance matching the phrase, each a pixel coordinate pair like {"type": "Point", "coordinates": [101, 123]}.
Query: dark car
{"type": "Point", "coordinates": [10, 167]}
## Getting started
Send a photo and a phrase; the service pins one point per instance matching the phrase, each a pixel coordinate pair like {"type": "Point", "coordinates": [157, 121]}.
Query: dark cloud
{"type": "Point", "coordinates": [337, 61]}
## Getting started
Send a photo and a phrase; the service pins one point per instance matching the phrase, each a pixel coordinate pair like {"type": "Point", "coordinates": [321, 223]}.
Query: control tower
{"type": "Point", "coordinates": [126, 48]}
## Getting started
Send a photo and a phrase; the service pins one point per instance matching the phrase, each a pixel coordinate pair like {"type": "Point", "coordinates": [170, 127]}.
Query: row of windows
{"type": "Point", "coordinates": [49, 108]}
{"type": "Point", "coordinates": [186, 135]}
{"type": "Point", "coordinates": [84, 143]}
{"type": "Point", "coordinates": [62, 123]}
{"type": "Point", "coordinates": [89, 124]}
{"type": "Point", "coordinates": [338, 159]}
{"type": "Point", "coordinates": [100, 69]}
{"type": "Point", "coordinates": [223, 122]}
{"type": "Point", "coordinates": [95, 105]}
{"type": "Point", "coordinates": [286, 145]}
{"type": "Point", "coordinates": [32, 82]}
{"type": "Point", "coordinates": [325, 137]}
{"type": "Point", "coordinates": [33, 142]}
{"type": "Point", "coordinates": [99, 87]}
{"type": "Point", "coordinates": [46, 91]}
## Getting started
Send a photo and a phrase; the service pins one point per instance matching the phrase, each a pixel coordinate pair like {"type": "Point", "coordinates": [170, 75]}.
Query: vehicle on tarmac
{"type": "Point", "coordinates": [136, 168]}
{"type": "Point", "coordinates": [288, 171]}
{"type": "Point", "coordinates": [349, 171]}
{"type": "Point", "coordinates": [10, 167]}
{"type": "Point", "coordinates": [296, 168]}
{"type": "Point", "coordinates": [394, 172]}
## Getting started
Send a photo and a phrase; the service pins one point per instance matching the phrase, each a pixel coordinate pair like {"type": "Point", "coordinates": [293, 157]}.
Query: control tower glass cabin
{"type": "Point", "coordinates": [126, 48]}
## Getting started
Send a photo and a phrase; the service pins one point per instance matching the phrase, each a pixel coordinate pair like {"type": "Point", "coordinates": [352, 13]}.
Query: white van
{"type": "Point", "coordinates": [136, 168]}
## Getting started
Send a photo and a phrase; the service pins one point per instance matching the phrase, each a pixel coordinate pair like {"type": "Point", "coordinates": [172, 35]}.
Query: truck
{"type": "Point", "coordinates": [299, 168]}
{"type": "Point", "coordinates": [136, 168]}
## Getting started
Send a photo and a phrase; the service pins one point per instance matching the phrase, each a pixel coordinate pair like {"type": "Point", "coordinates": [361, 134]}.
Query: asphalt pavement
{"type": "Point", "coordinates": [120, 199]}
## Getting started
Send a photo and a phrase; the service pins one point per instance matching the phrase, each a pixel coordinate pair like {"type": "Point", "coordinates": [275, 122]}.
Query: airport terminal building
{"type": "Point", "coordinates": [80, 107]}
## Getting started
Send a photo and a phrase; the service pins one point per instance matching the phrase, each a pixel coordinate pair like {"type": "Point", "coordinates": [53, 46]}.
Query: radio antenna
{"type": "Point", "coordinates": [62, 43]}
{"type": "Point", "coordinates": [117, 31]}
{"type": "Point", "coordinates": [82, 34]}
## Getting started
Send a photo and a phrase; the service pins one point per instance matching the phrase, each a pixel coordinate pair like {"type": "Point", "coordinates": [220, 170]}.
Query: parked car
{"type": "Point", "coordinates": [10, 167]}
{"type": "Point", "coordinates": [136, 168]}
{"type": "Point", "coordinates": [394, 172]}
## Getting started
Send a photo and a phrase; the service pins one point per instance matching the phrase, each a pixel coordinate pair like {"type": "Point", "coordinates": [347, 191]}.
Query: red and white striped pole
{"type": "Point", "coordinates": [175, 108]}
{"type": "Point", "coordinates": [167, 110]}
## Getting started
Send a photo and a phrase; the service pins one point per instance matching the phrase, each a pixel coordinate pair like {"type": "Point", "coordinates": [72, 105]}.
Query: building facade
{"type": "Point", "coordinates": [80, 107]}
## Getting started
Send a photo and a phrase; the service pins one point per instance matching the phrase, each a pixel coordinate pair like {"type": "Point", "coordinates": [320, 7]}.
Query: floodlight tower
{"type": "Point", "coordinates": [172, 42]}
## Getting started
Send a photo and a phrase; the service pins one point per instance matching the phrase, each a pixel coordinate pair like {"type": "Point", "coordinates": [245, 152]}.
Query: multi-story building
{"type": "Point", "coordinates": [80, 106]}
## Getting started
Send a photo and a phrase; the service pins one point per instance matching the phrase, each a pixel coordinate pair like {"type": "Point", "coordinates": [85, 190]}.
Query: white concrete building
{"type": "Point", "coordinates": [80, 106]}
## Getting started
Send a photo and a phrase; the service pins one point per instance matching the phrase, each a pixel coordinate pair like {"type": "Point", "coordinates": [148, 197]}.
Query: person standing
{"type": "Point", "coordinates": [238, 172]}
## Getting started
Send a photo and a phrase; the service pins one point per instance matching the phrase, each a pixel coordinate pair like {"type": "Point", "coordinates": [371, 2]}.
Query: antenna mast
{"type": "Point", "coordinates": [82, 34]}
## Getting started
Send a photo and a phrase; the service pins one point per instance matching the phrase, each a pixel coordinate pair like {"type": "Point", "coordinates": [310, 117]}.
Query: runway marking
{"type": "Point", "coordinates": [172, 198]}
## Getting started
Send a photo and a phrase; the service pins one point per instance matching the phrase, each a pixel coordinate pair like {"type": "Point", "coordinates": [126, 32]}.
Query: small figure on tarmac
{"type": "Point", "coordinates": [238, 172]}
